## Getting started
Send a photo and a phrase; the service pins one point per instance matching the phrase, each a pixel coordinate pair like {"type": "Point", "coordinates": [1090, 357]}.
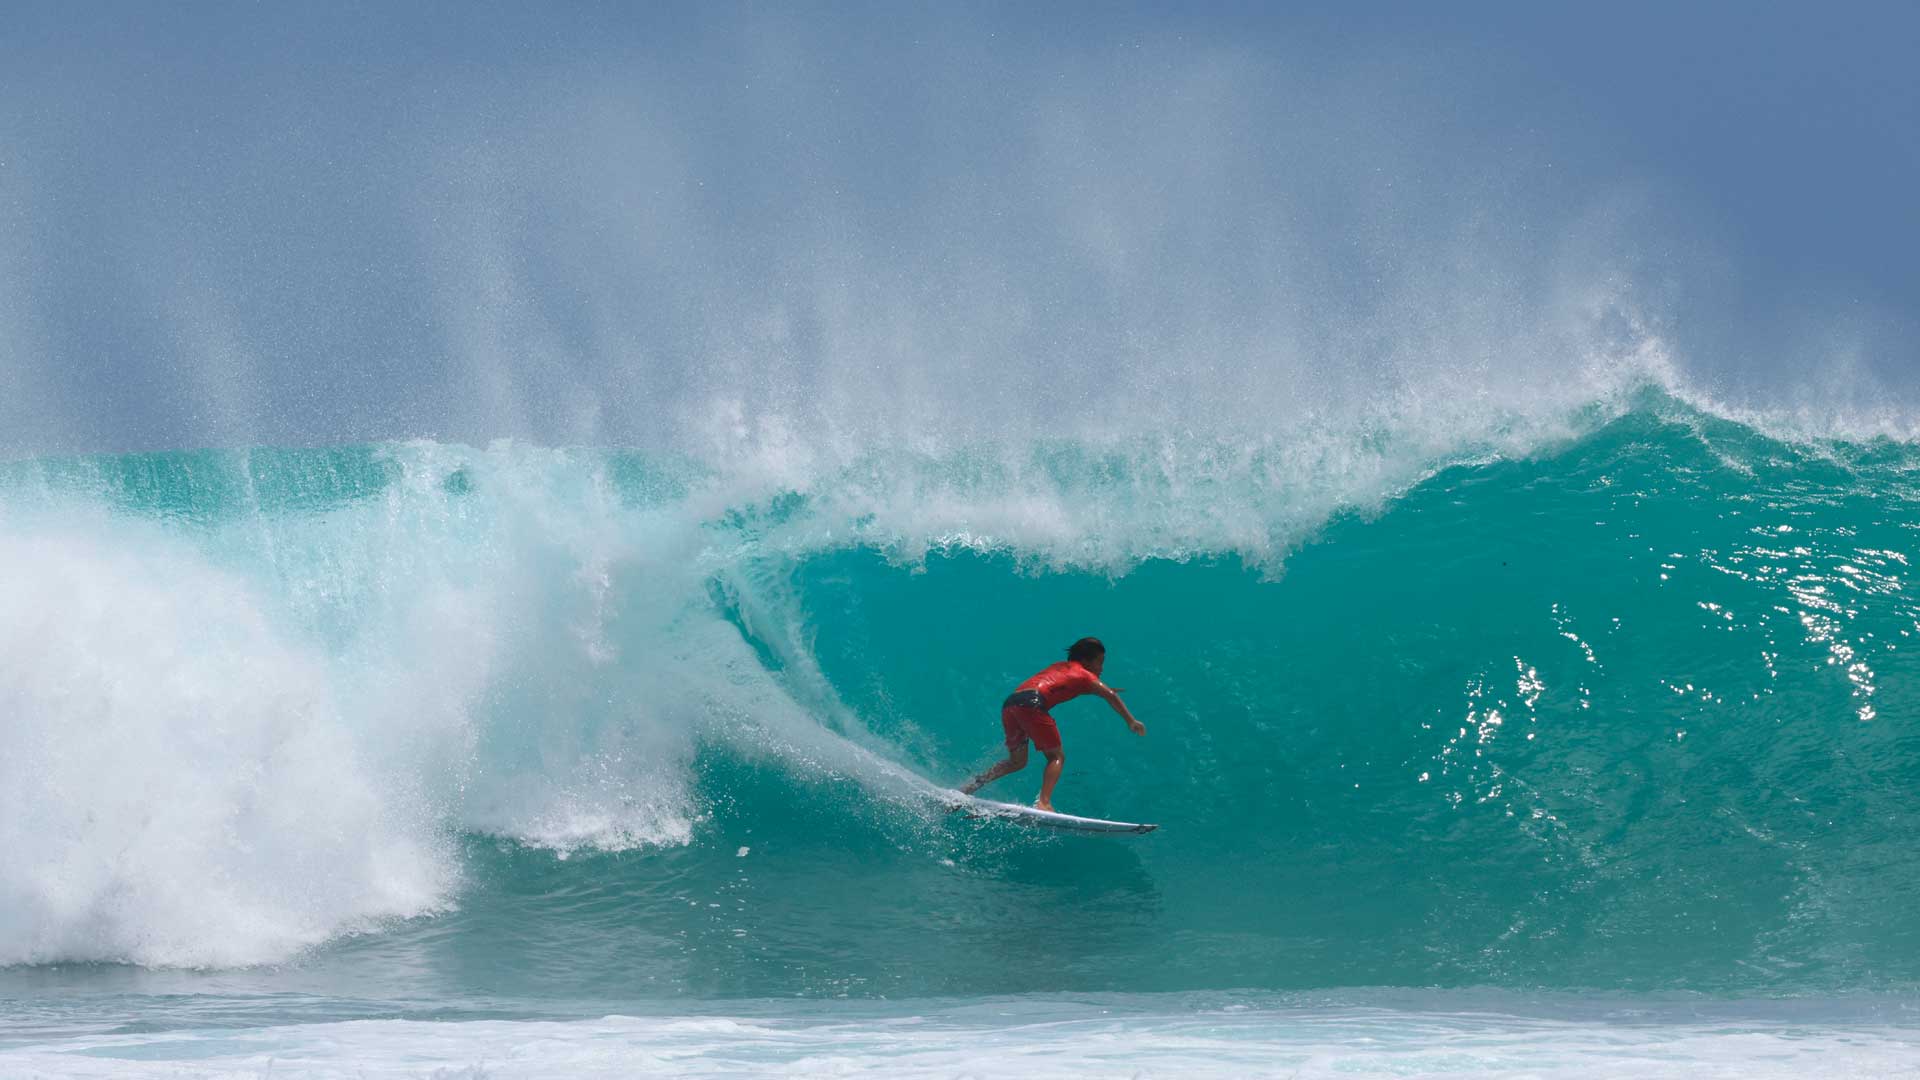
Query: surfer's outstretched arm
{"type": "Point", "coordinates": [1112, 697]}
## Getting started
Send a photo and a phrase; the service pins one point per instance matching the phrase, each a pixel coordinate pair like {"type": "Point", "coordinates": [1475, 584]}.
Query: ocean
{"type": "Point", "coordinates": [1571, 745]}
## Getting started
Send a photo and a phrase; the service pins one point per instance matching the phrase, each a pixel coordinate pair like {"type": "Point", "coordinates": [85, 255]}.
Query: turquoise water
{"type": "Point", "coordinates": [417, 733]}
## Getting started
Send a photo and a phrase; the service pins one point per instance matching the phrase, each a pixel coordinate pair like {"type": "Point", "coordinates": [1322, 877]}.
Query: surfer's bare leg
{"type": "Point", "coordinates": [1056, 761]}
{"type": "Point", "coordinates": [1016, 760]}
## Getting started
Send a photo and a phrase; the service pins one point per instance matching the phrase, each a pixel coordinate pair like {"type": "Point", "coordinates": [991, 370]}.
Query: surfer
{"type": "Point", "coordinates": [1024, 715]}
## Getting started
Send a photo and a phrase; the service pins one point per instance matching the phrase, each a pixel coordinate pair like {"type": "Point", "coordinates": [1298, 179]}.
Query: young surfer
{"type": "Point", "coordinates": [1024, 715]}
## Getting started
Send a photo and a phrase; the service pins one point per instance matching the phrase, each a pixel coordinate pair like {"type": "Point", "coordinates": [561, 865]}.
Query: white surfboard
{"type": "Point", "coordinates": [1047, 819]}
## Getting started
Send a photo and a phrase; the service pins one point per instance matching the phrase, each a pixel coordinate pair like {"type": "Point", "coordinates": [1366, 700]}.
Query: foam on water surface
{"type": "Point", "coordinates": [1049, 1037]}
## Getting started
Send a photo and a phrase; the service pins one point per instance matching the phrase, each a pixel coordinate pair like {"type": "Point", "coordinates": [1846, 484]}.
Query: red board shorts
{"type": "Point", "coordinates": [1022, 723]}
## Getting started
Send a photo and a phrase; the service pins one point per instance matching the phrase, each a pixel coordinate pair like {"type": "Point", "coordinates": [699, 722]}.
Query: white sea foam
{"type": "Point", "coordinates": [229, 742]}
{"type": "Point", "coordinates": [234, 738]}
{"type": "Point", "coordinates": [1011, 1038]}
{"type": "Point", "coordinates": [180, 784]}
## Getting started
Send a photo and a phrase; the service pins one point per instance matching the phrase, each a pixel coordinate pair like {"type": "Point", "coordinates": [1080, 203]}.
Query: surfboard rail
{"type": "Point", "coordinates": [1047, 819]}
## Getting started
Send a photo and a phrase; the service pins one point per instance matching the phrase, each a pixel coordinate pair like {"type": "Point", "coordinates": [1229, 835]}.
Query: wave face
{"type": "Point", "coordinates": [1629, 708]}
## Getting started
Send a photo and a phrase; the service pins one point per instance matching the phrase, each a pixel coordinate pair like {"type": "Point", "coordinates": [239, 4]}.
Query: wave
{"type": "Point", "coordinates": [1610, 696]}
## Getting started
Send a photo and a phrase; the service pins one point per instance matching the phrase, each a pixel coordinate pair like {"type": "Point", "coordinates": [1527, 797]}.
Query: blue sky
{"type": "Point", "coordinates": [239, 223]}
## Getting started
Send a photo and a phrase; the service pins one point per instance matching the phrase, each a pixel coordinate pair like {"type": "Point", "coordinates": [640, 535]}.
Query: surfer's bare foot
{"type": "Point", "coordinates": [1042, 804]}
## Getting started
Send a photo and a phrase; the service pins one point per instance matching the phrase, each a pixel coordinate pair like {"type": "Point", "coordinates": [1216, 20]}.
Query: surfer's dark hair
{"type": "Point", "coordinates": [1086, 649]}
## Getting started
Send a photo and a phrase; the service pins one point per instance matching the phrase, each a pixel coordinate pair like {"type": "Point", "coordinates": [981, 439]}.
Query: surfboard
{"type": "Point", "coordinates": [1046, 819]}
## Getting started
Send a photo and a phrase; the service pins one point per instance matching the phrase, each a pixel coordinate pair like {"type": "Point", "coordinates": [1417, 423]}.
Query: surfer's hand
{"type": "Point", "coordinates": [1138, 727]}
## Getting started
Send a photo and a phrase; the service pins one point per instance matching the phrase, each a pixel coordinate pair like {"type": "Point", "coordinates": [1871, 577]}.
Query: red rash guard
{"type": "Point", "coordinates": [1057, 683]}
{"type": "Point", "coordinates": [1062, 682]}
